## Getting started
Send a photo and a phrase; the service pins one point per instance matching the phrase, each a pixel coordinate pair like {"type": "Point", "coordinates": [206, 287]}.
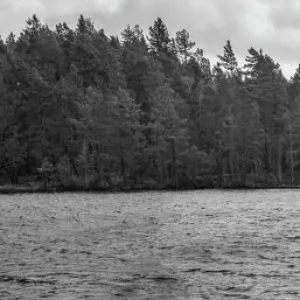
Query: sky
{"type": "Point", "coordinates": [273, 25]}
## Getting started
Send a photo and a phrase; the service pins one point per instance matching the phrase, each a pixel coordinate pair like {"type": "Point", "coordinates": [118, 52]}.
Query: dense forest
{"type": "Point", "coordinates": [83, 110]}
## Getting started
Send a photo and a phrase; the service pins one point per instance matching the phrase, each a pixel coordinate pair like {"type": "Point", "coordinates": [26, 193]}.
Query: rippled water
{"type": "Point", "coordinates": [189, 245]}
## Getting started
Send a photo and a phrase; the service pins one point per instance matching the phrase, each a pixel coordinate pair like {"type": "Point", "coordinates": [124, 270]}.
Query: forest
{"type": "Point", "coordinates": [83, 110]}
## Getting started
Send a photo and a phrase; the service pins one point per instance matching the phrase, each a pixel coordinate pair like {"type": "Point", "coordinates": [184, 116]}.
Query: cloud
{"type": "Point", "coordinates": [110, 6]}
{"type": "Point", "coordinates": [268, 24]}
{"type": "Point", "coordinates": [57, 8]}
{"type": "Point", "coordinates": [4, 5]}
{"type": "Point", "coordinates": [285, 14]}
{"type": "Point", "coordinates": [28, 6]}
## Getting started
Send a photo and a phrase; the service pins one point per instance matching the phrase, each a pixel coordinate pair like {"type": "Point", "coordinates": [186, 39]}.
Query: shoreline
{"type": "Point", "coordinates": [22, 189]}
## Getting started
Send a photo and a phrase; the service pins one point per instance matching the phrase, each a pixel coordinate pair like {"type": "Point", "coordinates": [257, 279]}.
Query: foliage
{"type": "Point", "coordinates": [88, 111]}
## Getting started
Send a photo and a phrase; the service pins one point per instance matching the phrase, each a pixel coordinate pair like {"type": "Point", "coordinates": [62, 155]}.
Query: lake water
{"type": "Point", "coordinates": [169, 245]}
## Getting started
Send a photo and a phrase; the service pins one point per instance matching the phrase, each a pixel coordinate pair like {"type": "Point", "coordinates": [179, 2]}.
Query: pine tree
{"type": "Point", "coordinates": [110, 126]}
{"type": "Point", "coordinates": [184, 44]}
{"type": "Point", "coordinates": [159, 37]}
{"type": "Point", "coordinates": [85, 26]}
{"type": "Point", "coordinates": [292, 118]}
{"type": "Point", "coordinates": [293, 88]}
{"type": "Point", "coordinates": [267, 86]}
{"type": "Point", "coordinates": [228, 59]}
{"type": "Point", "coordinates": [134, 37]}
{"type": "Point", "coordinates": [169, 135]}
{"type": "Point", "coordinates": [229, 63]}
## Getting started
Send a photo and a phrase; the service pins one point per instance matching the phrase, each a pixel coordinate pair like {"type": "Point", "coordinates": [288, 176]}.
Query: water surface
{"type": "Point", "coordinates": [168, 245]}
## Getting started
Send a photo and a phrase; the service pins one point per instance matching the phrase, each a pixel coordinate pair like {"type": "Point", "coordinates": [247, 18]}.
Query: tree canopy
{"type": "Point", "coordinates": [142, 111]}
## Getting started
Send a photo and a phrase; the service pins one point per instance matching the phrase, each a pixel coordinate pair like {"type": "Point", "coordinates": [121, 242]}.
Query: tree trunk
{"type": "Point", "coordinates": [291, 153]}
{"type": "Point", "coordinates": [279, 160]}
{"type": "Point", "coordinates": [14, 176]}
{"type": "Point", "coordinates": [174, 167]}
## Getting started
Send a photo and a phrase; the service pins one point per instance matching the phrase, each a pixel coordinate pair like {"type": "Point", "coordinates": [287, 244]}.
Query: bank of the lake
{"type": "Point", "coordinates": [41, 188]}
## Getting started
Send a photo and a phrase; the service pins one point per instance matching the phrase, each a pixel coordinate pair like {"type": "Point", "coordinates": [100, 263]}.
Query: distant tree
{"type": "Point", "coordinates": [85, 26]}
{"type": "Point", "coordinates": [229, 63]}
{"type": "Point", "coordinates": [268, 87]}
{"type": "Point", "coordinates": [159, 37]}
{"type": "Point", "coordinates": [228, 59]}
{"type": "Point", "coordinates": [184, 44]}
{"type": "Point", "coordinates": [293, 88]}
{"type": "Point", "coordinates": [169, 135]}
{"type": "Point", "coordinates": [134, 37]}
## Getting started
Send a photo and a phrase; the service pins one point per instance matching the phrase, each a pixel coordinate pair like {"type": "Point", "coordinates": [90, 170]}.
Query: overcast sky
{"type": "Point", "coordinates": [273, 25]}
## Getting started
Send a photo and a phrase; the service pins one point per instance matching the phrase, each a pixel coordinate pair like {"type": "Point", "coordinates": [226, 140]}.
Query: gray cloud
{"type": "Point", "coordinates": [268, 24]}
{"type": "Point", "coordinates": [4, 5]}
{"type": "Point", "coordinates": [285, 14]}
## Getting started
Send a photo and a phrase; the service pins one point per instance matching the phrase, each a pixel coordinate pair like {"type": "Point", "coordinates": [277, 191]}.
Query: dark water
{"type": "Point", "coordinates": [190, 245]}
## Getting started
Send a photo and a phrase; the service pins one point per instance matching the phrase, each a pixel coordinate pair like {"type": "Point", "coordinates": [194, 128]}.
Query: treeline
{"type": "Point", "coordinates": [85, 110]}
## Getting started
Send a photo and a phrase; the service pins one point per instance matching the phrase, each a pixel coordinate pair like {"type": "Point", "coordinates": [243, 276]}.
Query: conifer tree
{"type": "Point", "coordinates": [228, 59]}
{"type": "Point", "coordinates": [159, 37]}
{"type": "Point", "coordinates": [184, 44]}
{"type": "Point", "coordinates": [267, 87]}
{"type": "Point", "coordinates": [230, 127]}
